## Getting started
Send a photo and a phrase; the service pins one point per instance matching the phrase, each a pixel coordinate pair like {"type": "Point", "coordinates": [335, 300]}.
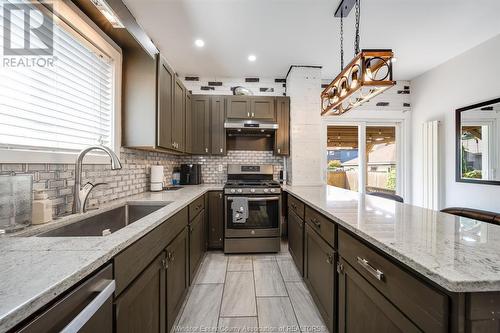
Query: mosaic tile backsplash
{"type": "Point", "coordinates": [58, 179]}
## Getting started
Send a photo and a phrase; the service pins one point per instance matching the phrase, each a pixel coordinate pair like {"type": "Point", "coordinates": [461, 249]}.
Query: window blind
{"type": "Point", "coordinates": [63, 107]}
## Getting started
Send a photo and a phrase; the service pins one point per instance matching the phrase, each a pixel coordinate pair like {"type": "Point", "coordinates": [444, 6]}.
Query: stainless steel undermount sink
{"type": "Point", "coordinates": [104, 223]}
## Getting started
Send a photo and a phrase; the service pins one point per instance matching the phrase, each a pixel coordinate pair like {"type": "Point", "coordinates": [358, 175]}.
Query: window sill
{"type": "Point", "coordinates": [29, 156]}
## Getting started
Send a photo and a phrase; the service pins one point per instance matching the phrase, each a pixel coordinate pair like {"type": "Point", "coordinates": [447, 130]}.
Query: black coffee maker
{"type": "Point", "coordinates": [190, 174]}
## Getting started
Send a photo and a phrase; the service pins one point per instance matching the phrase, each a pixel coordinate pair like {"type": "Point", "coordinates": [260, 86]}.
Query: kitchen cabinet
{"type": "Point", "coordinates": [319, 274]}
{"type": "Point", "coordinates": [363, 309]}
{"type": "Point", "coordinates": [215, 220]}
{"type": "Point", "coordinates": [177, 273]}
{"type": "Point", "coordinates": [262, 107]}
{"type": "Point", "coordinates": [178, 116]}
{"type": "Point", "coordinates": [296, 240]}
{"type": "Point", "coordinates": [200, 124]}
{"type": "Point", "coordinates": [282, 136]}
{"type": "Point", "coordinates": [188, 137]}
{"type": "Point", "coordinates": [238, 107]}
{"type": "Point", "coordinates": [63, 311]}
{"type": "Point", "coordinates": [141, 308]}
{"type": "Point", "coordinates": [197, 241]}
{"type": "Point", "coordinates": [218, 133]}
{"type": "Point", "coordinates": [165, 105]}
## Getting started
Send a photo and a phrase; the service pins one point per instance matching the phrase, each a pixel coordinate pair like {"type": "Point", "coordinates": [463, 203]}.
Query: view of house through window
{"type": "Point", "coordinates": [344, 161]}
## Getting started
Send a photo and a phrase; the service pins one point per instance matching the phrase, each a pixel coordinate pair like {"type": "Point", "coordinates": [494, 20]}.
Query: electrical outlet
{"type": "Point", "coordinates": [220, 167]}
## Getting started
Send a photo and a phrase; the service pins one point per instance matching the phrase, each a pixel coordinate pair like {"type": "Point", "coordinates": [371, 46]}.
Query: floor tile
{"type": "Point", "coordinates": [288, 270]}
{"type": "Point", "coordinates": [201, 311]}
{"type": "Point", "coordinates": [276, 315]}
{"type": "Point", "coordinates": [307, 314]}
{"type": "Point", "coordinates": [213, 269]}
{"type": "Point", "coordinates": [268, 280]}
{"type": "Point", "coordinates": [238, 324]}
{"type": "Point", "coordinates": [239, 263]}
{"type": "Point", "coordinates": [239, 295]}
{"type": "Point", "coordinates": [264, 256]}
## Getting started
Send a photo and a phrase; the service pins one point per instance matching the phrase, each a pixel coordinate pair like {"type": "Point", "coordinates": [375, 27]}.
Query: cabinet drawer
{"type": "Point", "coordinates": [135, 258]}
{"type": "Point", "coordinates": [424, 305]}
{"type": "Point", "coordinates": [296, 205]}
{"type": "Point", "coordinates": [195, 207]}
{"type": "Point", "coordinates": [321, 225]}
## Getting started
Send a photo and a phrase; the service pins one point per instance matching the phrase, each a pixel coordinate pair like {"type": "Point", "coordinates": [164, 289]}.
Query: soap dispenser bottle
{"type": "Point", "coordinates": [42, 208]}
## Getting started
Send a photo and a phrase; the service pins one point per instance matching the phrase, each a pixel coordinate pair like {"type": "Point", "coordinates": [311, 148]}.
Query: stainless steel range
{"type": "Point", "coordinates": [252, 205]}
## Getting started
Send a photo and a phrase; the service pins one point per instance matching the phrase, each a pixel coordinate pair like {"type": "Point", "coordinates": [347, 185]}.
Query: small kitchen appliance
{"type": "Point", "coordinates": [190, 174]}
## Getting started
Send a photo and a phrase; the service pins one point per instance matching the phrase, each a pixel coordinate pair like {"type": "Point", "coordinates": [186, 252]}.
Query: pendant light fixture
{"type": "Point", "coordinates": [366, 76]}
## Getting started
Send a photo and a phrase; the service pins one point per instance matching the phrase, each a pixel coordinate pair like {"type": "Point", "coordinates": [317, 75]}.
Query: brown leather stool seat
{"type": "Point", "coordinates": [389, 196]}
{"type": "Point", "coordinates": [476, 214]}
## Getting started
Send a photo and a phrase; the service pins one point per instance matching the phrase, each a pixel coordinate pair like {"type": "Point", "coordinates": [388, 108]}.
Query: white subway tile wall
{"type": "Point", "coordinates": [225, 85]}
{"type": "Point", "coordinates": [214, 168]}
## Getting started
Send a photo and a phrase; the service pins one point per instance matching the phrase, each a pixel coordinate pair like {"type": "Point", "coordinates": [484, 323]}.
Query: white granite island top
{"type": "Point", "coordinates": [459, 254]}
{"type": "Point", "coordinates": [35, 270]}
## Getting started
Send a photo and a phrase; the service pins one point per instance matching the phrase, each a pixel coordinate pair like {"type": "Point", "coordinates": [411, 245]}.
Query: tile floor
{"type": "Point", "coordinates": [249, 293]}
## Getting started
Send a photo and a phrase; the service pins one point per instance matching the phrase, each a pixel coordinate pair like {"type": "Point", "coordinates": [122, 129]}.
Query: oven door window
{"type": "Point", "coordinates": [263, 213]}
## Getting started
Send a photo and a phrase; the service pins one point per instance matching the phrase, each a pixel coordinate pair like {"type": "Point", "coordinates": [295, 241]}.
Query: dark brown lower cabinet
{"type": "Point", "coordinates": [363, 309]}
{"type": "Point", "coordinates": [141, 307]}
{"type": "Point", "coordinates": [320, 274]}
{"type": "Point", "coordinates": [177, 275]}
{"type": "Point", "coordinates": [296, 240]}
{"type": "Point", "coordinates": [196, 243]}
{"type": "Point", "coordinates": [215, 220]}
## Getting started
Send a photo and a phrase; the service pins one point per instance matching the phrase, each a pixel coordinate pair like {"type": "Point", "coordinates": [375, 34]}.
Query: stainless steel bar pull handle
{"type": "Point", "coordinates": [84, 316]}
{"type": "Point", "coordinates": [379, 275]}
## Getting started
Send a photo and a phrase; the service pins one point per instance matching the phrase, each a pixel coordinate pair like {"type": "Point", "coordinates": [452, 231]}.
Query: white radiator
{"type": "Point", "coordinates": [430, 160]}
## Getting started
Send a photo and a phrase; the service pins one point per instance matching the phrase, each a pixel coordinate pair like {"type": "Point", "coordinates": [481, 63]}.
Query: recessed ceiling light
{"type": "Point", "coordinates": [252, 57]}
{"type": "Point", "coordinates": [199, 43]}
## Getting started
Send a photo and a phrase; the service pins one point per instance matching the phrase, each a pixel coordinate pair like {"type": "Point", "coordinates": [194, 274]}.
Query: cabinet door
{"type": "Point", "coordinates": [296, 240]}
{"type": "Point", "coordinates": [178, 119]}
{"type": "Point", "coordinates": [177, 275]}
{"type": "Point", "coordinates": [363, 309]}
{"type": "Point", "coordinates": [262, 108]}
{"type": "Point", "coordinates": [238, 107]}
{"type": "Point", "coordinates": [141, 307]}
{"type": "Point", "coordinates": [282, 136]}
{"type": "Point", "coordinates": [218, 134]}
{"type": "Point", "coordinates": [196, 243]}
{"type": "Point", "coordinates": [201, 124]}
{"type": "Point", "coordinates": [165, 105]}
{"type": "Point", "coordinates": [188, 134]}
{"type": "Point", "coordinates": [215, 220]}
{"type": "Point", "coordinates": [319, 274]}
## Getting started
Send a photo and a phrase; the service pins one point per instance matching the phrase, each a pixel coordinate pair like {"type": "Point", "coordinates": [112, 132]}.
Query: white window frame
{"type": "Point", "coordinates": [362, 119]}
{"type": "Point", "coordinates": [79, 25]}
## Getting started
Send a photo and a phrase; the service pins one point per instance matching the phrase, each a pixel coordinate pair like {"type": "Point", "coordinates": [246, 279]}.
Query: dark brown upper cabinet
{"type": "Point", "coordinates": [165, 105]}
{"type": "Point", "coordinates": [262, 108]}
{"type": "Point", "coordinates": [188, 141]}
{"type": "Point", "coordinates": [178, 116]}
{"type": "Point", "coordinates": [200, 124]}
{"type": "Point", "coordinates": [218, 133]}
{"type": "Point", "coordinates": [238, 107]}
{"type": "Point", "coordinates": [282, 136]}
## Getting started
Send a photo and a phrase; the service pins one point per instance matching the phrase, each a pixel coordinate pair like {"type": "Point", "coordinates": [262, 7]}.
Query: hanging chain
{"type": "Point", "coordinates": [356, 40]}
{"type": "Point", "coordinates": [341, 40]}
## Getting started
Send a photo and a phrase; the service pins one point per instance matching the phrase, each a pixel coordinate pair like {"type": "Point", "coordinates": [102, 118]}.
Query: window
{"type": "Point", "coordinates": [59, 102]}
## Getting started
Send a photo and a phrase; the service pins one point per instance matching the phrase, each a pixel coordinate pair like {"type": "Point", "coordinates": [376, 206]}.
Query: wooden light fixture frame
{"type": "Point", "coordinates": [358, 82]}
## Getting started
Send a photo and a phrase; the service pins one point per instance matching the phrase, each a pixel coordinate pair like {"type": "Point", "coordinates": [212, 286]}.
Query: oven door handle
{"type": "Point", "coordinates": [256, 199]}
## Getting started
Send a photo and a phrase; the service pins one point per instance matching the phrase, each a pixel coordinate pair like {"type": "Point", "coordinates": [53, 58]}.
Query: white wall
{"type": "Point", "coordinates": [469, 78]}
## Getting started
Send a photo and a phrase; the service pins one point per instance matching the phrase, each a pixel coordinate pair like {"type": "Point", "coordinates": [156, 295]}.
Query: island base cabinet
{"type": "Point", "coordinates": [196, 243]}
{"type": "Point", "coordinates": [320, 275]}
{"type": "Point", "coordinates": [215, 220]}
{"type": "Point", "coordinates": [141, 307]}
{"type": "Point", "coordinates": [177, 283]}
{"type": "Point", "coordinates": [363, 309]}
{"type": "Point", "coordinates": [296, 240]}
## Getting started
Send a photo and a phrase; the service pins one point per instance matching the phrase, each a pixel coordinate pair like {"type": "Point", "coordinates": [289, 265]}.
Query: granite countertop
{"type": "Point", "coordinates": [459, 254]}
{"type": "Point", "coordinates": [35, 270]}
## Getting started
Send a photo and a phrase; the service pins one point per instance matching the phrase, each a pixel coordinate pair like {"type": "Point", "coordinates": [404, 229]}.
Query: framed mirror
{"type": "Point", "coordinates": [478, 143]}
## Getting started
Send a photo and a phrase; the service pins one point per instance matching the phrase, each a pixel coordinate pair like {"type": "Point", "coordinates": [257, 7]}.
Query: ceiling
{"type": "Point", "coordinates": [422, 33]}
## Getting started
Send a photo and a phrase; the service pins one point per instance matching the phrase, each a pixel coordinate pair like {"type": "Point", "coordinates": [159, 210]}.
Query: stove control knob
{"type": "Point", "coordinates": [240, 190]}
{"type": "Point", "coordinates": [252, 190]}
{"type": "Point", "coordinates": [233, 190]}
{"type": "Point", "coordinates": [266, 190]}
{"type": "Point", "coordinates": [273, 190]}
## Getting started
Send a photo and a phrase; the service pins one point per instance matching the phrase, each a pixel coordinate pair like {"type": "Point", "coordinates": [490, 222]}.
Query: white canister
{"type": "Point", "coordinates": [156, 183]}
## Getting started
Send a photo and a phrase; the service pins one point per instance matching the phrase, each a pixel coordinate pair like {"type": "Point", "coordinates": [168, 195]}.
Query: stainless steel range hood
{"type": "Point", "coordinates": [250, 125]}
